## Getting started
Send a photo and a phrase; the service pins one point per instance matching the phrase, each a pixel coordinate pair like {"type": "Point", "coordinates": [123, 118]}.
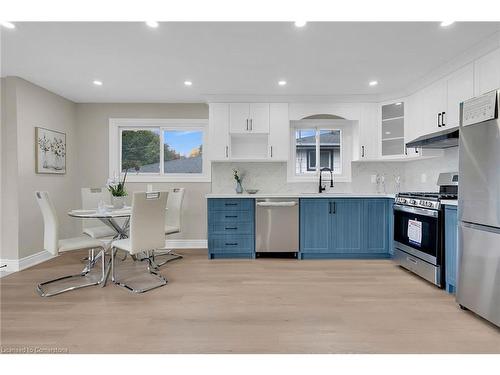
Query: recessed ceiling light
{"type": "Point", "coordinates": [8, 25]}
{"type": "Point", "coordinates": [300, 23]}
{"type": "Point", "coordinates": [152, 24]}
{"type": "Point", "coordinates": [447, 23]}
{"type": "Point", "coordinates": [188, 83]}
{"type": "Point", "coordinates": [399, 103]}
{"type": "Point", "coordinates": [373, 83]}
{"type": "Point", "coordinates": [282, 83]}
{"type": "Point", "coordinates": [97, 82]}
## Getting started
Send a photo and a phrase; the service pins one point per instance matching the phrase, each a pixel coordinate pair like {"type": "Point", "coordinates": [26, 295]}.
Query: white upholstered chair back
{"type": "Point", "coordinates": [147, 224]}
{"type": "Point", "coordinates": [174, 208]}
{"type": "Point", "coordinates": [50, 222]}
{"type": "Point", "coordinates": [90, 201]}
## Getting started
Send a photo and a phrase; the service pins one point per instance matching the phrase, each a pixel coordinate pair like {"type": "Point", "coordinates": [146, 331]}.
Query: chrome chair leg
{"type": "Point", "coordinates": [170, 253]}
{"type": "Point", "coordinates": [40, 290]}
{"type": "Point", "coordinates": [163, 280]}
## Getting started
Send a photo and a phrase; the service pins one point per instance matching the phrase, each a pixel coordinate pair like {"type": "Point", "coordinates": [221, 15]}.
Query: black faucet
{"type": "Point", "coordinates": [321, 187]}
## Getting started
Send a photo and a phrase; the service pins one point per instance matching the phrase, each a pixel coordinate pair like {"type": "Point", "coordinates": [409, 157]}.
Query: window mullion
{"type": "Point", "coordinates": [318, 156]}
{"type": "Point", "coordinates": [162, 150]}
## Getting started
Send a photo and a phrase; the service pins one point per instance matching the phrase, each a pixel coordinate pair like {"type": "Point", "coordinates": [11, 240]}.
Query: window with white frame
{"type": "Point", "coordinates": [169, 150]}
{"type": "Point", "coordinates": [311, 144]}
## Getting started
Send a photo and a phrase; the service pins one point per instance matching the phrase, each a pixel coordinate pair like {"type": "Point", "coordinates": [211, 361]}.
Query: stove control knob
{"type": "Point", "coordinates": [413, 201]}
{"type": "Point", "coordinates": [429, 204]}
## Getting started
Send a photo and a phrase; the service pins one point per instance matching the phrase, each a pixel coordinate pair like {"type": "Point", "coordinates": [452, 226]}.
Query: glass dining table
{"type": "Point", "coordinates": [108, 217]}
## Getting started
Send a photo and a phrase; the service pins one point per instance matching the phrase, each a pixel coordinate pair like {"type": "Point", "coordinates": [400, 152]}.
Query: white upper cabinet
{"type": "Point", "coordinates": [368, 133]}
{"type": "Point", "coordinates": [434, 107]}
{"type": "Point", "coordinates": [218, 140]}
{"type": "Point", "coordinates": [239, 117]}
{"type": "Point", "coordinates": [279, 134]}
{"type": "Point", "coordinates": [460, 88]}
{"type": "Point", "coordinates": [487, 73]}
{"type": "Point", "coordinates": [252, 132]}
{"type": "Point", "coordinates": [440, 102]}
{"type": "Point", "coordinates": [259, 117]}
{"type": "Point", "coordinates": [249, 117]}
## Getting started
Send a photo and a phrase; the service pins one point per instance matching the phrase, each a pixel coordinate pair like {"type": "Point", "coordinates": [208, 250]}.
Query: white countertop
{"type": "Point", "coordinates": [450, 202]}
{"type": "Point", "coordinates": [299, 195]}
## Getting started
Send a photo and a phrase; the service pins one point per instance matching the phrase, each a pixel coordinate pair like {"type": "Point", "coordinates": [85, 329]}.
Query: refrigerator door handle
{"type": "Point", "coordinates": [485, 228]}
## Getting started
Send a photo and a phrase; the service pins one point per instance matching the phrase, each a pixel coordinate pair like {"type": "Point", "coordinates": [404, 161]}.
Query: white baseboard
{"type": "Point", "coordinates": [186, 244]}
{"type": "Point", "coordinates": [15, 265]}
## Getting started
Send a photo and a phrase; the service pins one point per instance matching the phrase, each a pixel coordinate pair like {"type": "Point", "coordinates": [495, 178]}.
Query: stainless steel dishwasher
{"type": "Point", "coordinates": [277, 225]}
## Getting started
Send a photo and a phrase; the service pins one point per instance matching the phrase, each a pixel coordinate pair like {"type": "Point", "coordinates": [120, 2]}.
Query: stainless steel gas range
{"type": "Point", "coordinates": [419, 229]}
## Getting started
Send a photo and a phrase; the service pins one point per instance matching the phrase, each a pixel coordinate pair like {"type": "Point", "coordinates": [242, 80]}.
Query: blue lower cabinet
{"type": "Point", "coordinates": [231, 228]}
{"type": "Point", "coordinates": [354, 228]}
{"type": "Point", "coordinates": [315, 226]}
{"type": "Point", "coordinates": [376, 225]}
{"type": "Point", "coordinates": [347, 226]}
{"type": "Point", "coordinates": [450, 247]}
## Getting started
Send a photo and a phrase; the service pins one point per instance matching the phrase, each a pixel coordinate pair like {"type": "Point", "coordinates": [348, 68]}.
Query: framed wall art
{"type": "Point", "coordinates": [50, 152]}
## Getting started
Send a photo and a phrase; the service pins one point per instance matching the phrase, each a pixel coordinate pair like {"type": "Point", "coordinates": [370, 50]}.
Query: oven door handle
{"type": "Point", "coordinates": [416, 210]}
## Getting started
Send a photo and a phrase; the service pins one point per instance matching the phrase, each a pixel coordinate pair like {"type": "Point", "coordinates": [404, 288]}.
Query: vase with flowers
{"type": "Point", "coordinates": [237, 178]}
{"type": "Point", "coordinates": [117, 190]}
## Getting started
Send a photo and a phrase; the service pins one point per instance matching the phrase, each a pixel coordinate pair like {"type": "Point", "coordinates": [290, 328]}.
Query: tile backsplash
{"type": "Point", "coordinates": [269, 177]}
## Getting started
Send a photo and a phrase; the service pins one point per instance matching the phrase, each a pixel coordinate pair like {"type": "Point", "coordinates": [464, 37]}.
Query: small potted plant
{"type": "Point", "coordinates": [118, 192]}
{"type": "Point", "coordinates": [237, 178]}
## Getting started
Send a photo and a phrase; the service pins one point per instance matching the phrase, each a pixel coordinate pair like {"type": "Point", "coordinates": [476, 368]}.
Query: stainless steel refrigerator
{"type": "Point", "coordinates": [479, 207]}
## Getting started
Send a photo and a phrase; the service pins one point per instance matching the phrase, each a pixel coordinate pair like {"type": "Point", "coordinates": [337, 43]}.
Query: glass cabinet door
{"type": "Point", "coordinates": [393, 133]}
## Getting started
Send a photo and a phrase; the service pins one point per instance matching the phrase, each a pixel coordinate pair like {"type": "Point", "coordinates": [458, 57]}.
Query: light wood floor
{"type": "Point", "coordinates": [245, 306]}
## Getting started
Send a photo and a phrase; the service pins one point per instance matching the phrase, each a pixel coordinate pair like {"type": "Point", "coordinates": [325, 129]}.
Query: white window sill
{"type": "Point", "coordinates": [177, 178]}
{"type": "Point", "coordinates": [336, 179]}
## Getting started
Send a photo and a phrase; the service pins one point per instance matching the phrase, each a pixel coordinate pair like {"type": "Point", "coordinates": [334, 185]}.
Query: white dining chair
{"type": "Point", "coordinates": [56, 246]}
{"type": "Point", "coordinates": [90, 201]}
{"type": "Point", "coordinates": [147, 233]}
{"type": "Point", "coordinates": [173, 223]}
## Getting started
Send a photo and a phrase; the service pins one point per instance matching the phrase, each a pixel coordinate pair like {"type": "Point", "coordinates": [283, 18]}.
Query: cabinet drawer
{"type": "Point", "coordinates": [231, 244]}
{"type": "Point", "coordinates": [220, 217]}
{"type": "Point", "coordinates": [232, 204]}
{"type": "Point", "coordinates": [231, 228]}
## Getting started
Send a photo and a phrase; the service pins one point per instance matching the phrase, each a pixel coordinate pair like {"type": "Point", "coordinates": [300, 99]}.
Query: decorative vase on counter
{"type": "Point", "coordinates": [118, 202]}
{"type": "Point", "coordinates": [239, 188]}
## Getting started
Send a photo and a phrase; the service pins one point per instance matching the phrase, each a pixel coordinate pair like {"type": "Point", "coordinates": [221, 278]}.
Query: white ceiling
{"type": "Point", "coordinates": [141, 64]}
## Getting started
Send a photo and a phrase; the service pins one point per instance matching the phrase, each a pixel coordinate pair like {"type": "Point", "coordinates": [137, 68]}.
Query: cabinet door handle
{"type": "Point", "coordinates": [227, 151]}
{"type": "Point", "coordinates": [406, 150]}
{"type": "Point", "coordinates": [251, 124]}
{"type": "Point", "coordinates": [330, 208]}
{"type": "Point", "coordinates": [442, 119]}
{"type": "Point", "coordinates": [231, 216]}
{"type": "Point", "coordinates": [247, 124]}
{"type": "Point", "coordinates": [334, 208]}
{"type": "Point", "coordinates": [271, 151]}
{"type": "Point", "coordinates": [231, 228]}
{"type": "Point", "coordinates": [230, 204]}
{"type": "Point", "coordinates": [231, 243]}
{"type": "Point", "coordinates": [362, 151]}
{"type": "Point", "coordinates": [439, 120]}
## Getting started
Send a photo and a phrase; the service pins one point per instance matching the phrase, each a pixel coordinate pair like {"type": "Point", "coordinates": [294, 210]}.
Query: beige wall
{"type": "Point", "coordinates": [93, 145]}
{"type": "Point", "coordinates": [35, 106]}
{"type": "Point", "coordinates": [9, 212]}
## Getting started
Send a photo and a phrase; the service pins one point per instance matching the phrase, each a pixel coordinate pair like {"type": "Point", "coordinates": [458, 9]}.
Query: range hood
{"type": "Point", "coordinates": [442, 139]}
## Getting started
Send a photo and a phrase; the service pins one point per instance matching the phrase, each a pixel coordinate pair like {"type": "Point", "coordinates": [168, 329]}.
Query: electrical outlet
{"type": "Point", "coordinates": [374, 178]}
